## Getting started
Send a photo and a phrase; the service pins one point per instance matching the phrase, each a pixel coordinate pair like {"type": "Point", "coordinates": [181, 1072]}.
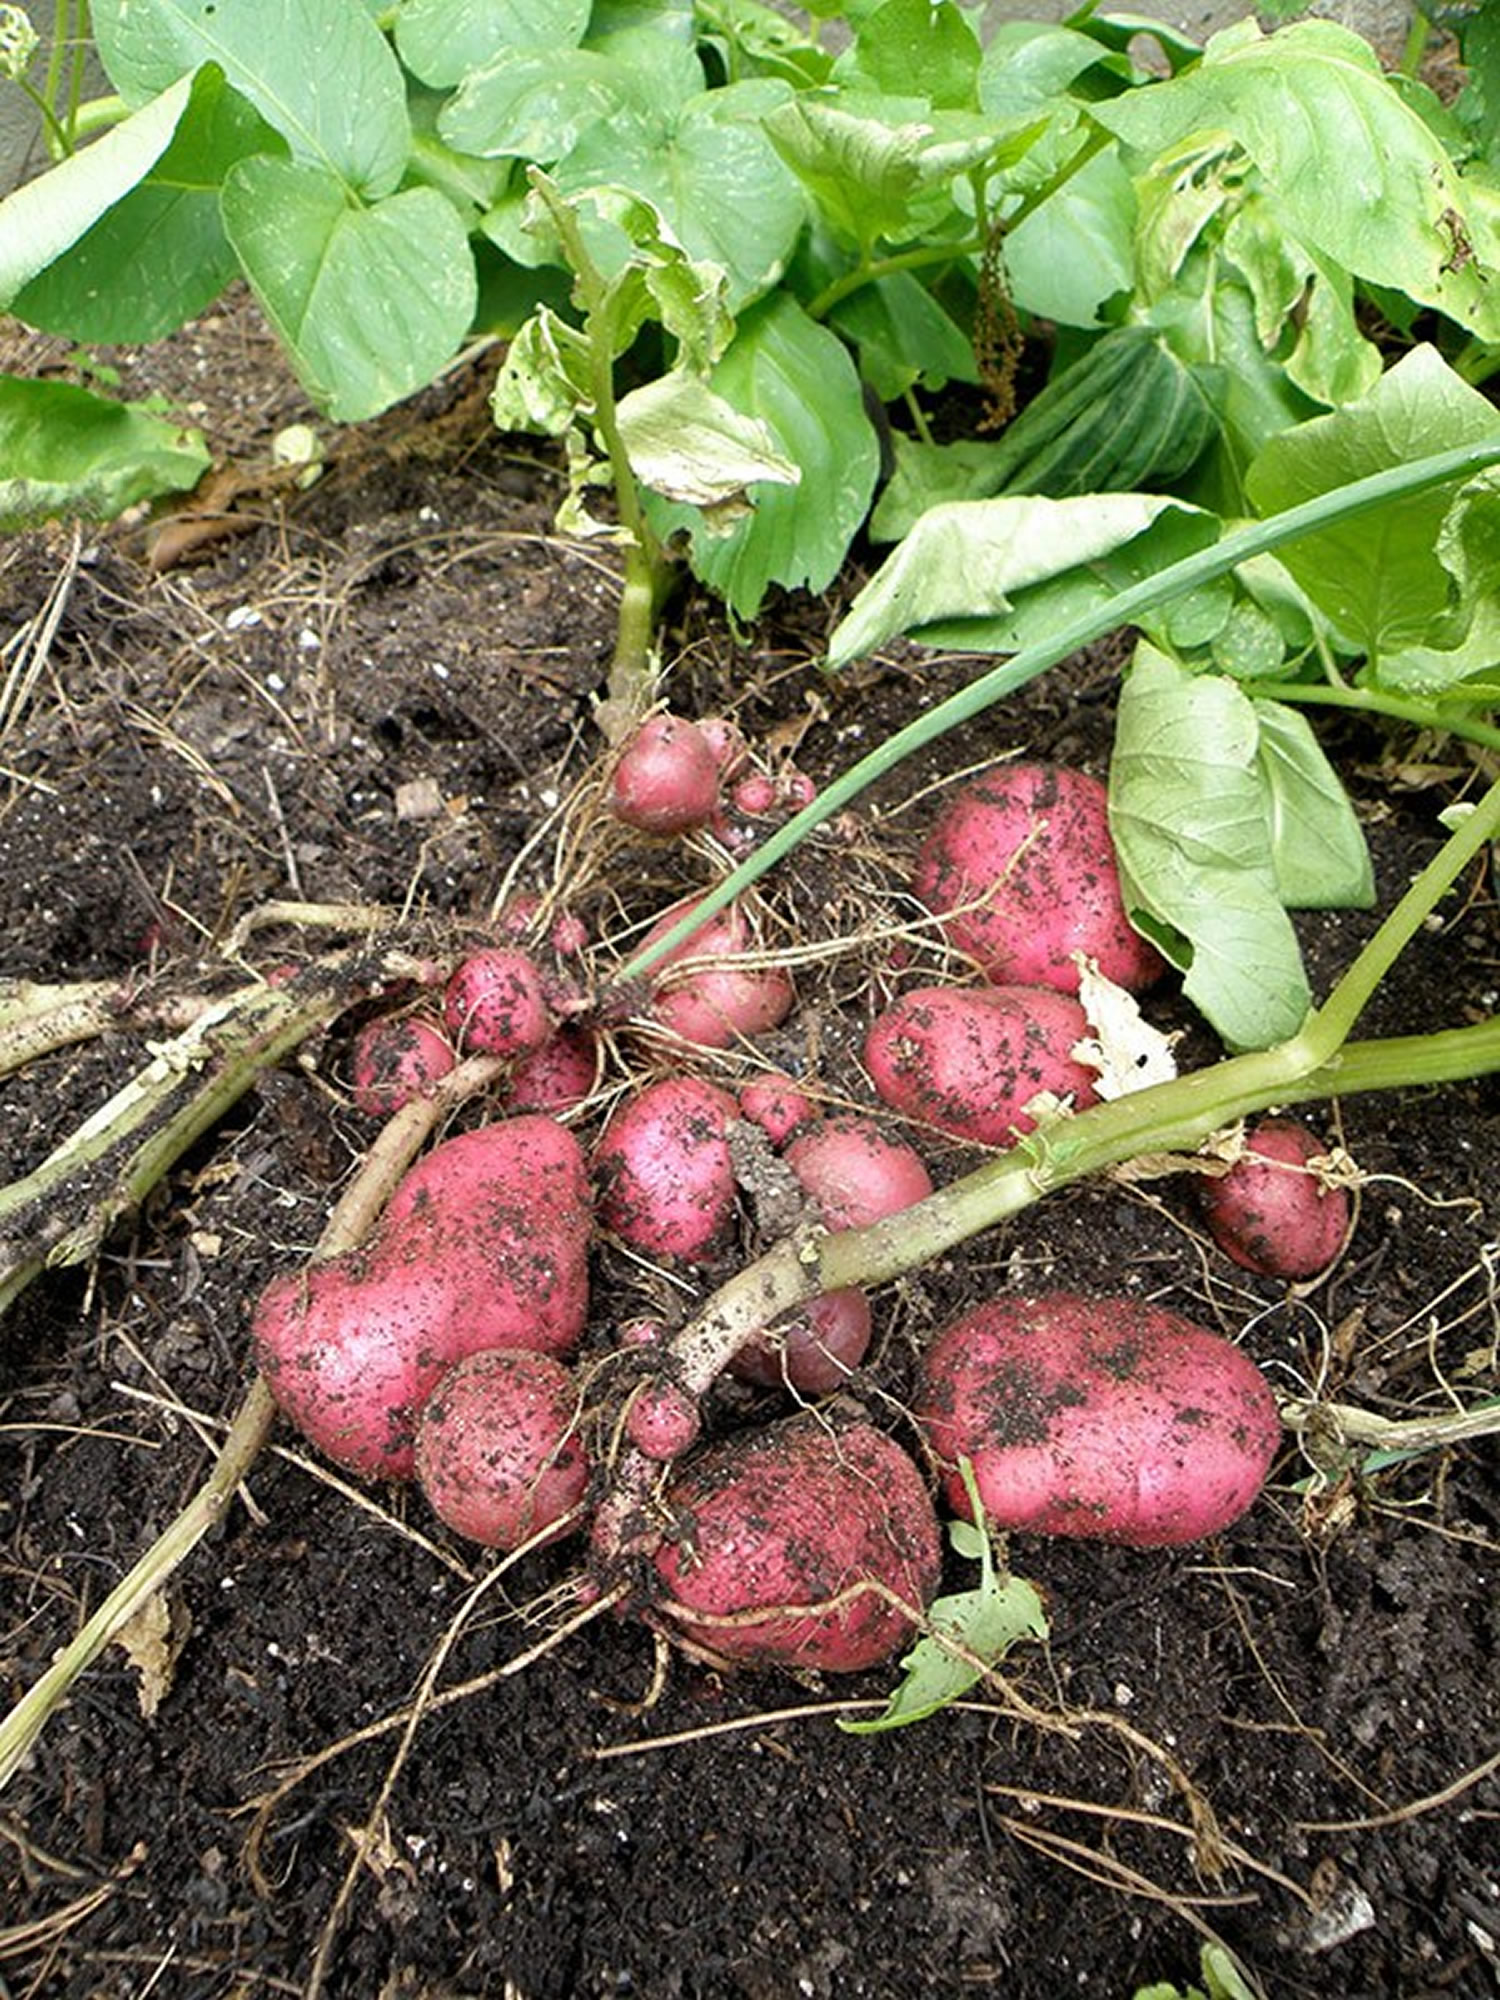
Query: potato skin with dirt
{"type": "Point", "coordinates": [1020, 867]}
{"type": "Point", "coordinates": [787, 1519]}
{"type": "Point", "coordinates": [663, 1171]}
{"type": "Point", "coordinates": [968, 1059]}
{"type": "Point", "coordinates": [484, 1244]}
{"type": "Point", "coordinates": [1101, 1418]}
{"type": "Point", "coordinates": [497, 1450]}
{"type": "Point", "coordinates": [1269, 1214]}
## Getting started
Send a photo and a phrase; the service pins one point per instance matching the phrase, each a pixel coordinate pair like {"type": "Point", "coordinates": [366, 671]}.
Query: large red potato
{"type": "Point", "coordinates": [787, 1521]}
{"type": "Point", "coordinates": [483, 1245]}
{"type": "Point", "coordinates": [968, 1060]}
{"type": "Point", "coordinates": [1020, 866]}
{"type": "Point", "coordinates": [1105, 1418]}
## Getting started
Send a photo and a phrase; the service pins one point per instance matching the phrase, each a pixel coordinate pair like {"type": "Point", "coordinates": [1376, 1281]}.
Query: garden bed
{"type": "Point", "coordinates": [376, 692]}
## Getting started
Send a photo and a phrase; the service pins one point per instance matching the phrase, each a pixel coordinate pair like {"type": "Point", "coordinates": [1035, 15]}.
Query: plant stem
{"type": "Point", "coordinates": [60, 1214]}
{"type": "Point", "coordinates": [870, 268]}
{"type": "Point", "coordinates": [632, 676]}
{"type": "Point", "coordinates": [1083, 629]}
{"type": "Point", "coordinates": [1375, 701]}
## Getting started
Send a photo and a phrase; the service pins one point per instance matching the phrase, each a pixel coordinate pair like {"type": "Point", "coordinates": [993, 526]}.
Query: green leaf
{"type": "Point", "coordinates": [1296, 289]}
{"type": "Point", "coordinates": [970, 1632]}
{"type": "Point", "coordinates": [903, 43]}
{"type": "Point", "coordinates": [866, 164]}
{"type": "Point", "coordinates": [1188, 811]}
{"type": "Point", "coordinates": [1380, 580]}
{"type": "Point", "coordinates": [159, 255]}
{"type": "Point", "coordinates": [651, 275]}
{"type": "Point", "coordinates": [713, 176]}
{"type": "Point", "coordinates": [797, 378]}
{"type": "Point", "coordinates": [42, 220]}
{"type": "Point", "coordinates": [1087, 588]}
{"type": "Point", "coordinates": [1318, 851]}
{"type": "Point", "coordinates": [64, 450]}
{"type": "Point", "coordinates": [534, 104]}
{"type": "Point", "coordinates": [1029, 65]}
{"type": "Point", "coordinates": [320, 71]}
{"type": "Point", "coordinates": [688, 444]}
{"type": "Point", "coordinates": [370, 301]}
{"type": "Point", "coordinates": [545, 382]}
{"type": "Point", "coordinates": [969, 559]}
{"type": "Point", "coordinates": [1077, 250]}
{"type": "Point", "coordinates": [904, 337]}
{"type": "Point", "coordinates": [1356, 171]}
{"type": "Point", "coordinates": [440, 41]}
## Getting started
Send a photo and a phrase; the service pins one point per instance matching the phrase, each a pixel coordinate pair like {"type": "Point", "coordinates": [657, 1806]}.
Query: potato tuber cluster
{"type": "Point", "coordinates": [442, 1349]}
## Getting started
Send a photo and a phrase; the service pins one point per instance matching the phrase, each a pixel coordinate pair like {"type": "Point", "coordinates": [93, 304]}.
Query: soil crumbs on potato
{"type": "Point", "coordinates": [376, 692]}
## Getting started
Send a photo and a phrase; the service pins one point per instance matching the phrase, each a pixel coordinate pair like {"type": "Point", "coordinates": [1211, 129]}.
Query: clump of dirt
{"type": "Point", "coordinates": [378, 693]}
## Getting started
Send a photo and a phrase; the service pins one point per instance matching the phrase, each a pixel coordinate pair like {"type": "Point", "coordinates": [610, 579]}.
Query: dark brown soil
{"type": "Point", "coordinates": [376, 692]}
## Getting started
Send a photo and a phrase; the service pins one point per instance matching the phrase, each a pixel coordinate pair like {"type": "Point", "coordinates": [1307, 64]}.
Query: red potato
{"type": "Point", "coordinates": [776, 1105]}
{"type": "Point", "coordinates": [556, 1077]}
{"type": "Point", "coordinates": [1105, 1418]}
{"type": "Point", "coordinates": [496, 1003]}
{"type": "Point", "coordinates": [1269, 1213]}
{"type": "Point", "coordinates": [393, 1062]}
{"type": "Point", "coordinates": [1020, 866]}
{"type": "Point", "coordinates": [815, 1352]}
{"type": "Point", "coordinates": [854, 1172]}
{"type": "Point", "coordinates": [968, 1060]}
{"type": "Point", "coordinates": [497, 1448]}
{"type": "Point", "coordinates": [667, 777]}
{"type": "Point", "coordinates": [665, 1179]}
{"type": "Point", "coordinates": [663, 1421]}
{"type": "Point", "coordinates": [755, 794]}
{"type": "Point", "coordinates": [788, 1521]}
{"type": "Point", "coordinates": [725, 740]}
{"type": "Point", "coordinates": [484, 1244]}
{"type": "Point", "coordinates": [724, 998]}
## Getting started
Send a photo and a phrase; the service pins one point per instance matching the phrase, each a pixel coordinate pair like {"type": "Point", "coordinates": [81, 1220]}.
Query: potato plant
{"type": "Point", "coordinates": [633, 1122]}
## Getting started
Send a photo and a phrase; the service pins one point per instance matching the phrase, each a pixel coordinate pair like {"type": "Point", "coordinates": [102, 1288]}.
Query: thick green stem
{"type": "Point", "coordinates": [1375, 701]}
{"type": "Point", "coordinates": [1081, 630]}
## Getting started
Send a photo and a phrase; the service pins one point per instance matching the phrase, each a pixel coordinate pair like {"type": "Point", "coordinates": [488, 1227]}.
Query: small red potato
{"type": "Point", "coordinates": [393, 1062]}
{"type": "Point", "coordinates": [815, 1352]}
{"type": "Point", "coordinates": [800, 1522]}
{"type": "Point", "coordinates": [497, 1450]}
{"type": "Point", "coordinates": [1020, 866]}
{"type": "Point", "coordinates": [663, 1421]}
{"type": "Point", "coordinates": [854, 1172]}
{"type": "Point", "coordinates": [1269, 1212]}
{"type": "Point", "coordinates": [776, 1105]}
{"type": "Point", "coordinates": [496, 1003]}
{"type": "Point", "coordinates": [706, 991]}
{"type": "Point", "coordinates": [1104, 1418]}
{"type": "Point", "coordinates": [556, 1077]}
{"type": "Point", "coordinates": [968, 1060]}
{"type": "Point", "coordinates": [483, 1245]}
{"type": "Point", "coordinates": [663, 1171]}
{"type": "Point", "coordinates": [667, 777]}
